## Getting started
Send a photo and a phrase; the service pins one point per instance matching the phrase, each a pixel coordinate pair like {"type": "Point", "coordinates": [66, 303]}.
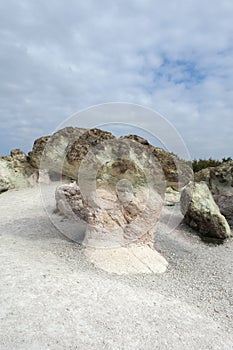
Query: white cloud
{"type": "Point", "coordinates": [176, 57]}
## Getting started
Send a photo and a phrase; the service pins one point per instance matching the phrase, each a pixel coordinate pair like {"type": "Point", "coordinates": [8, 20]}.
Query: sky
{"type": "Point", "coordinates": [175, 57]}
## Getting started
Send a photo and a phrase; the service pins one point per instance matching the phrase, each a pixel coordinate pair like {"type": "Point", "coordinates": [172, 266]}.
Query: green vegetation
{"type": "Point", "coordinates": [205, 163]}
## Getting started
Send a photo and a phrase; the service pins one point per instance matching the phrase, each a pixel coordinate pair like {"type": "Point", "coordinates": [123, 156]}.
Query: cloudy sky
{"type": "Point", "coordinates": [57, 57]}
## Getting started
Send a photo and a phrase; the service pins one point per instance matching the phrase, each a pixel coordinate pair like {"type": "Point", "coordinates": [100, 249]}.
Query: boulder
{"type": "Point", "coordinates": [177, 172]}
{"type": "Point", "coordinates": [116, 159]}
{"type": "Point", "coordinates": [221, 178]}
{"type": "Point", "coordinates": [4, 182]}
{"type": "Point", "coordinates": [220, 181]}
{"type": "Point", "coordinates": [202, 213]}
{"type": "Point", "coordinates": [225, 204]}
{"type": "Point", "coordinates": [202, 175]}
{"type": "Point", "coordinates": [82, 154]}
{"type": "Point", "coordinates": [65, 150]}
{"type": "Point", "coordinates": [16, 172]}
{"type": "Point", "coordinates": [37, 151]}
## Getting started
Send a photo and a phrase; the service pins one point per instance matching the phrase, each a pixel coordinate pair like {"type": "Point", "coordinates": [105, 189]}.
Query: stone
{"type": "Point", "coordinates": [4, 182]}
{"type": "Point", "coordinates": [225, 204]}
{"type": "Point", "coordinates": [202, 213]}
{"type": "Point", "coordinates": [64, 151]}
{"type": "Point", "coordinates": [177, 172]}
{"type": "Point", "coordinates": [117, 160]}
{"type": "Point", "coordinates": [202, 175]}
{"type": "Point", "coordinates": [172, 197]}
{"type": "Point", "coordinates": [69, 201]}
{"type": "Point", "coordinates": [221, 184]}
{"type": "Point", "coordinates": [16, 172]}
{"type": "Point", "coordinates": [49, 152]}
{"type": "Point", "coordinates": [219, 178]}
{"type": "Point", "coordinates": [123, 221]}
{"type": "Point", "coordinates": [43, 177]}
{"type": "Point", "coordinates": [114, 218]}
{"type": "Point", "coordinates": [220, 181]}
{"type": "Point", "coordinates": [134, 259]}
{"type": "Point", "coordinates": [37, 152]}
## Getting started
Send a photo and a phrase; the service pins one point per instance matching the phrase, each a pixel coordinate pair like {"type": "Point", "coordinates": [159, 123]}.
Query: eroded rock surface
{"type": "Point", "coordinates": [119, 197]}
{"type": "Point", "coordinates": [67, 151]}
{"type": "Point", "coordinates": [172, 197]}
{"type": "Point", "coordinates": [224, 201]}
{"type": "Point", "coordinates": [123, 221]}
{"type": "Point", "coordinates": [114, 218]}
{"type": "Point", "coordinates": [64, 151]}
{"type": "Point", "coordinates": [16, 172]}
{"type": "Point", "coordinates": [69, 201]}
{"type": "Point", "coordinates": [220, 181]}
{"type": "Point", "coordinates": [203, 175]}
{"type": "Point", "coordinates": [177, 172]}
{"type": "Point", "coordinates": [49, 152]}
{"type": "Point", "coordinates": [202, 213]}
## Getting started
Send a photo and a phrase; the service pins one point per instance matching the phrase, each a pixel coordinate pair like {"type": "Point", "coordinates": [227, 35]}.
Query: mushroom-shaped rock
{"type": "Point", "coordinates": [120, 227]}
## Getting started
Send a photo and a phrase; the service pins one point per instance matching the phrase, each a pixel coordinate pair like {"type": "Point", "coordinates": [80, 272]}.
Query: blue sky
{"type": "Point", "coordinates": [175, 57]}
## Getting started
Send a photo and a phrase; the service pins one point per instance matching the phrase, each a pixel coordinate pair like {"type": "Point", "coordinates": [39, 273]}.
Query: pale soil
{"type": "Point", "coordinates": [53, 298]}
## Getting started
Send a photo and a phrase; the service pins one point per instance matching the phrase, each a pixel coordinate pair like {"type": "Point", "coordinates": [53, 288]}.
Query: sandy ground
{"type": "Point", "coordinates": [52, 297]}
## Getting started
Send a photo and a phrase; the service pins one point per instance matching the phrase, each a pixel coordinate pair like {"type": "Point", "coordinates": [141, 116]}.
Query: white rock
{"type": "Point", "coordinates": [133, 259]}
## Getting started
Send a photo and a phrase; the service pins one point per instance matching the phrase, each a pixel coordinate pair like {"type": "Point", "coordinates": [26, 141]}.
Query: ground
{"type": "Point", "coordinates": [53, 298]}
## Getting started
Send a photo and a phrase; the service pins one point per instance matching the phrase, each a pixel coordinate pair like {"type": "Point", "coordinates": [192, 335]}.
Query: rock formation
{"type": "Point", "coordinates": [202, 175]}
{"type": "Point", "coordinates": [120, 190]}
{"type": "Point", "coordinates": [220, 182]}
{"type": "Point", "coordinates": [69, 201]}
{"type": "Point", "coordinates": [224, 201]}
{"type": "Point", "coordinates": [122, 220]}
{"type": "Point", "coordinates": [62, 154]}
{"type": "Point", "coordinates": [172, 197]}
{"type": "Point", "coordinates": [16, 172]}
{"type": "Point", "coordinates": [202, 213]}
{"type": "Point", "coordinates": [114, 218]}
{"type": "Point", "coordinates": [219, 178]}
{"type": "Point", "coordinates": [177, 172]}
{"type": "Point", "coordinates": [119, 196]}
{"type": "Point", "coordinates": [64, 151]}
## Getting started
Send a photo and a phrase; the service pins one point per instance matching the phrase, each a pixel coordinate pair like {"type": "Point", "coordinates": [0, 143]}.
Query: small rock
{"type": "Point", "coordinates": [172, 196]}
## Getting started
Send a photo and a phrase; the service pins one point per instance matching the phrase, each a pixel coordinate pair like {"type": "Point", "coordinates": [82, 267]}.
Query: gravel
{"type": "Point", "coordinates": [52, 297]}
